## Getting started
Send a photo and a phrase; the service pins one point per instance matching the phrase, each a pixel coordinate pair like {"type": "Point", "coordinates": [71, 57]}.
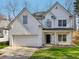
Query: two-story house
{"type": "Point", "coordinates": [54, 26]}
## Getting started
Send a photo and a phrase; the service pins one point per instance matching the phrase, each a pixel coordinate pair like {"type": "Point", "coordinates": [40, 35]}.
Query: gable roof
{"type": "Point", "coordinates": [17, 16]}
{"type": "Point", "coordinates": [24, 9]}
{"type": "Point", "coordinates": [56, 3]}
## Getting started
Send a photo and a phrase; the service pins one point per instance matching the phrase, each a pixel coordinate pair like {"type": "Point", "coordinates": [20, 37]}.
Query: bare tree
{"type": "Point", "coordinates": [11, 8]}
{"type": "Point", "coordinates": [25, 3]}
{"type": "Point", "coordinates": [69, 4]}
{"type": "Point", "coordinates": [28, 5]}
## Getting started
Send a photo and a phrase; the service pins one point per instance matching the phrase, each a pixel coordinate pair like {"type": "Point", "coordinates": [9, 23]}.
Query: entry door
{"type": "Point", "coordinates": [48, 39]}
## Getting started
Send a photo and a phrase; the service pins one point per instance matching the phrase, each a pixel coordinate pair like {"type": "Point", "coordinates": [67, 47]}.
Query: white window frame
{"type": "Point", "coordinates": [25, 20]}
{"type": "Point", "coordinates": [62, 38]}
{"type": "Point", "coordinates": [49, 23]}
{"type": "Point", "coordinates": [62, 23]}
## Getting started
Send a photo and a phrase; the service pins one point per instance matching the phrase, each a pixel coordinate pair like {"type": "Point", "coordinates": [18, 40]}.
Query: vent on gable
{"type": "Point", "coordinates": [53, 17]}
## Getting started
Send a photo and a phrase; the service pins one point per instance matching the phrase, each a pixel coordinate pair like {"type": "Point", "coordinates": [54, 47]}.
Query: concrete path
{"type": "Point", "coordinates": [17, 52]}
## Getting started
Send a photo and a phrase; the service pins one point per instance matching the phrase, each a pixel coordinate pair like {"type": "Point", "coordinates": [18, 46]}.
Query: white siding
{"type": "Point", "coordinates": [60, 14]}
{"type": "Point", "coordinates": [29, 34]}
{"type": "Point", "coordinates": [68, 39]}
{"type": "Point", "coordinates": [32, 24]}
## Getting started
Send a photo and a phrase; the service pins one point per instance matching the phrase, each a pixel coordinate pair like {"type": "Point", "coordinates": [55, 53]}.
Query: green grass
{"type": "Point", "coordinates": [57, 53]}
{"type": "Point", "coordinates": [3, 45]}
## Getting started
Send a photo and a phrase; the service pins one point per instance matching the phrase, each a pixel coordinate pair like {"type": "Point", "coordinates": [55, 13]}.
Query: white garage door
{"type": "Point", "coordinates": [27, 41]}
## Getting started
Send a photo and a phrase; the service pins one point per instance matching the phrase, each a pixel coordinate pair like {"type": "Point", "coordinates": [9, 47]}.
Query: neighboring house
{"type": "Point", "coordinates": [55, 26]}
{"type": "Point", "coordinates": [77, 22]}
{"type": "Point", "coordinates": [4, 30]}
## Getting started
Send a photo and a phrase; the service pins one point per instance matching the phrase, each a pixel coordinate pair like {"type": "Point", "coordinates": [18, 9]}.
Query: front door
{"type": "Point", "coordinates": [48, 39]}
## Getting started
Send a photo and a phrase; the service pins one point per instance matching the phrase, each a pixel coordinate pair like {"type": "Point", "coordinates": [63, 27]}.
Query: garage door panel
{"type": "Point", "coordinates": [27, 41]}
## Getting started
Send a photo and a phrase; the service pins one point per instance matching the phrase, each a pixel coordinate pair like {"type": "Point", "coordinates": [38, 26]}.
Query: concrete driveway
{"type": "Point", "coordinates": [16, 52]}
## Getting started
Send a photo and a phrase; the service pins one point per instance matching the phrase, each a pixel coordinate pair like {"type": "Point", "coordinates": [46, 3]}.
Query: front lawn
{"type": "Point", "coordinates": [57, 53]}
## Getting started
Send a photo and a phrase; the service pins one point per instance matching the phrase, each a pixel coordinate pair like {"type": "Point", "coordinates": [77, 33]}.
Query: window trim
{"type": "Point", "coordinates": [62, 38]}
{"type": "Point", "coordinates": [49, 23]}
{"type": "Point", "coordinates": [24, 21]}
{"type": "Point", "coordinates": [62, 23]}
{"type": "Point", "coordinates": [59, 22]}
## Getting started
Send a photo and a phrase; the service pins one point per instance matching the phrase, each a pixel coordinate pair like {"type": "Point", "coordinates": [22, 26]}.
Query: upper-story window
{"type": "Point", "coordinates": [24, 19]}
{"type": "Point", "coordinates": [49, 23]}
{"type": "Point", "coordinates": [62, 23]}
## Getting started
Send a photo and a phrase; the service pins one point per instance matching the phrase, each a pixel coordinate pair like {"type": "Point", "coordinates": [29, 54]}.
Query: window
{"type": "Point", "coordinates": [59, 38]}
{"type": "Point", "coordinates": [62, 22]}
{"type": "Point", "coordinates": [1, 33]}
{"type": "Point", "coordinates": [62, 38]}
{"type": "Point", "coordinates": [24, 19]}
{"type": "Point", "coordinates": [49, 23]}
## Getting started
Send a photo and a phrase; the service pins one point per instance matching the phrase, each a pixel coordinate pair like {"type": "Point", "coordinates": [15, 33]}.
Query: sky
{"type": "Point", "coordinates": [32, 5]}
